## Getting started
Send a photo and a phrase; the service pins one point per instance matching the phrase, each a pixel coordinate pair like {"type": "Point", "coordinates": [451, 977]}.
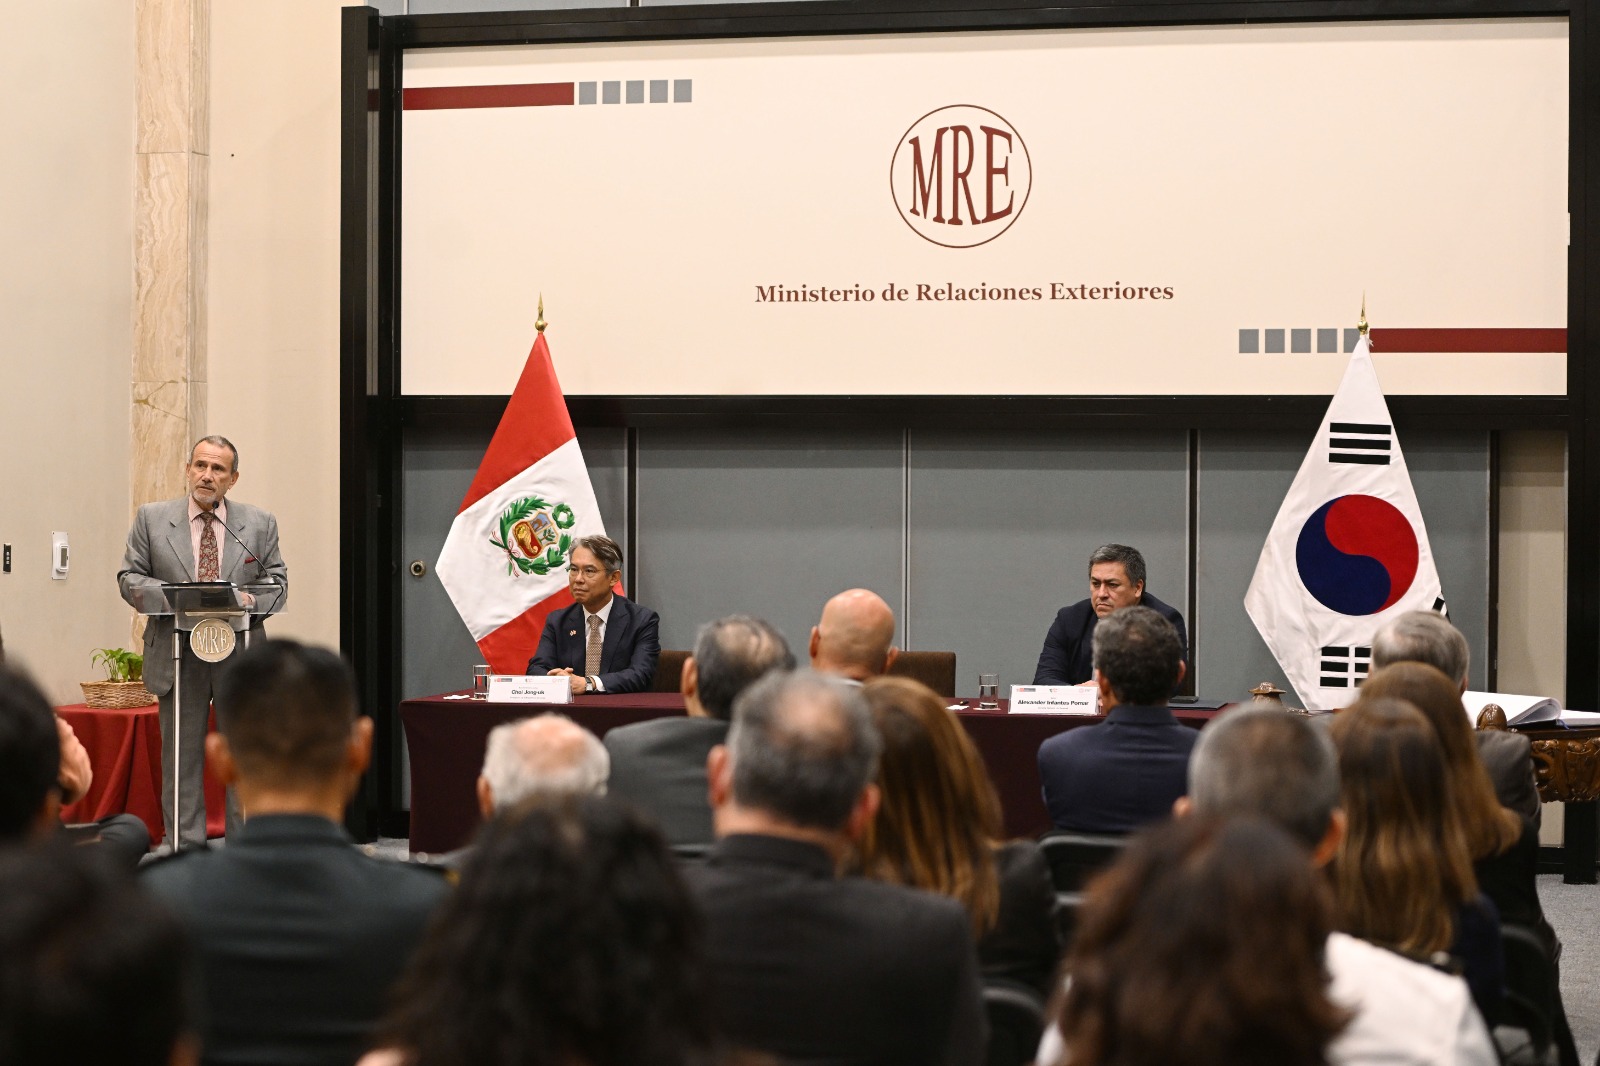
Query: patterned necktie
{"type": "Point", "coordinates": [208, 549]}
{"type": "Point", "coordinates": [591, 654]}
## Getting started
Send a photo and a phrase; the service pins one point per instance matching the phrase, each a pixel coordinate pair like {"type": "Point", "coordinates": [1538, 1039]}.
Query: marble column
{"type": "Point", "coordinates": [171, 173]}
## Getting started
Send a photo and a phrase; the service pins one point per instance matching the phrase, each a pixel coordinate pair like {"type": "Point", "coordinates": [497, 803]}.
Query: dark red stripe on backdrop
{"type": "Point", "coordinates": [1469, 340]}
{"type": "Point", "coordinates": [551, 94]}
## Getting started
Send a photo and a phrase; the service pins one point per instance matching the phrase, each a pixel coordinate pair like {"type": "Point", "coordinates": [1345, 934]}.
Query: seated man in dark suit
{"type": "Point", "coordinates": [1426, 637]}
{"type": "Point", "coordinates": [1127, 771]}
{"type": "Point", "coordinates": [808, 966]}
{"type": "Point", "coordinates": [1116, 580]}
{"type": "Point", "coordinates": [298, 933]}
{"type": "Point", "coordinates": [660, 766]}
{"type": "Point", "coordinates": [604, 642]}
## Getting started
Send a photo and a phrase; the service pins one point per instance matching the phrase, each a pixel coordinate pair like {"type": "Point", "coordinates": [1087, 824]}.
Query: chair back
{"type": "Point", "coordinates": [1523, 1031]}
{"type": "Point", "coordinates": [669, 671]}
{"type": "Point", "coordinates": [1074, 858]}
{"type": "Point", "coordinates": [936, 669]}
{"type": "Point", "coordinates": [1016, 1022]}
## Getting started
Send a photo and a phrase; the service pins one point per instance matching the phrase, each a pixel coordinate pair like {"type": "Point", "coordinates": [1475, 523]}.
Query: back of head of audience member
{"type": "Point", "coordinates": [855, 636]}
{"type": "Point", "coordinates": [1424, 637]}
{"type": "Point", "coordinates": [548, 755]}
{"type": "Point", "coordinates": [1138, 657]}
{"type": "Point", "coordinates": [799, 761]}
{"type": "Point", "coordinates": [1403, 870]}
{"type": "Point", "coordinates": [1264, 762]}
{"type": "Point", "coordinates": [939, 816]}
{"type": "Point", "coordinates": [730, 655]}
{"type": "Point", "coordinates": [91, 969]}
{"type": "Point", "coordinates": [290, 735]}
{"type": "Point", "coordinates": [1202, 946]}
{"type": "Point", "coordinates": [30, 758]}
{"type": "Point", "coordinates": [571, 939]}
{"type": "Point", "coordinates": [1490, 828]}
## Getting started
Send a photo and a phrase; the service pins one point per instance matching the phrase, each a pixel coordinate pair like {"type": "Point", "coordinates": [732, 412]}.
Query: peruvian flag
{"type": "Point", "coordinates": [504, 564]}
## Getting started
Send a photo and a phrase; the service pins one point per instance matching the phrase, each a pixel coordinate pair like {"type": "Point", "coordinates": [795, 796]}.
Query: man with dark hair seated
{"type": "Point", "coordinates": [299, 934]}
{"type": "Point", "coordinates": [43, 767]}
{"type": "Point", "coordinates": [806, 965]}
{"type": "Point", "coordinates": [92, 970]}
{"type": "Point", "coordinates": [1125, 772]}
{"type": "Point", "coordinates": [660, 766]}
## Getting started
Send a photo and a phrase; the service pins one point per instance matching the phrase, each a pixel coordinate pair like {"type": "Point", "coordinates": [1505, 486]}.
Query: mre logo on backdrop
{"type": "Point", "coordinates": [960, 176]}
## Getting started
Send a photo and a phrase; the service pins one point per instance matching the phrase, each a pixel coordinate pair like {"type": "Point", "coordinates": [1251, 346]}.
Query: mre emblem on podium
{"type": "Point", "coordinates": [212, 640]}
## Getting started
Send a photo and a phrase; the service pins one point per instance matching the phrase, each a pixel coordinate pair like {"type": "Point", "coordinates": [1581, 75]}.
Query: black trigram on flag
{"type": "Point", "coordinates": [1359, 442]}
{"type": "Point", "coordinates": [1345, 665]}
{"type": "Point", "coordinates": [1439, 606]}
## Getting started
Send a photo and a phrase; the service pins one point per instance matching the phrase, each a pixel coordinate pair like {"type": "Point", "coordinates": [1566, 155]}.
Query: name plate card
{"type": "Point", "coordinates": [526, 688]}
{"type": "Point", "coordinates": [1055, 699]}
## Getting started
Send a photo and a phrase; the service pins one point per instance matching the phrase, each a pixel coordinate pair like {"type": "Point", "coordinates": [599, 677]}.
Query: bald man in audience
{"type": "Point", "coordinates": [1264, 762]}
{"type": "Point", "coordinates": [1427, 637]}
{"type": "Point", "coordinates": [855, 637]}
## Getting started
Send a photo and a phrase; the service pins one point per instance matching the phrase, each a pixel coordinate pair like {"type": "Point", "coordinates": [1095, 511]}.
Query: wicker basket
{"type": "Point", "coordinates": [117, 695]}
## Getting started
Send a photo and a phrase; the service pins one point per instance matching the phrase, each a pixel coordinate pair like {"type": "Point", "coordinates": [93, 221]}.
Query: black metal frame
{"type": "Point", "coordinates": [373, 412]}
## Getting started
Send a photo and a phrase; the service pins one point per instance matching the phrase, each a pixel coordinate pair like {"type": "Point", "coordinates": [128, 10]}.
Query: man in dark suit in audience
{"type": "Point", "coordinates": [1116, 580]}
{"type": "Point", "coordinates": [854, 639]}
{"type": "Point", "coordinates": [660, 766]}
{"type": "Point", "coordinates": [806, 965]}
{"type": "Point", "coordinates": [1125, 772]}
{"type": "Point", "coordinates": [1428, 637]}
{"type": "Point", "coordinates": [604, 642]}
{"type": "Point", "coordinates": [299, 934]}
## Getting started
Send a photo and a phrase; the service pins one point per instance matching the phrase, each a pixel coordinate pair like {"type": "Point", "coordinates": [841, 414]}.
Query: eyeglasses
{"type": "Point", "coordinates": [586, 571]}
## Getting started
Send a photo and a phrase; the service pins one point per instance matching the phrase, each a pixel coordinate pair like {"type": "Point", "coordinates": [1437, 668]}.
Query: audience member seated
{"type": "Point", "coordinates": [1201, 946]}
{"type": "Point", "coordinates": [806, 965]}
{"type": "Point", "coordinates": [1266, 763]}
{"type": "Point", "coordinates": [938, 828]}
{"type": "Point", "coordinates": [1116, 580]}
{"type": "Point", "coordinates": [855, 637]}
{"type": "Point", "coordinates": [1504, 846]}
{"type": "Point", "coordinates": [1403, 875]}
{"type": "Point", "coordinates": [43, 768]}
{"type": "Point", "coordinates": [1426, 637]}
{"type": "Point", "coordinates": [660, 765]}
{"type": "Point", "coordinates": [604, 642]}
{"type": "Point", "coordinates": [298, 933]}
{"type": "Point", "coordinates": [1127, 771]}
{"type": "Point", "coordinates": [92, 970]}
{"type": "Point", "coordinates": [571, 939]}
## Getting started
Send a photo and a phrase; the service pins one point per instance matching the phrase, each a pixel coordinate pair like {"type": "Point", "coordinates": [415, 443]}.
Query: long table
{"type": "Point", "coordinates": [446, 738]}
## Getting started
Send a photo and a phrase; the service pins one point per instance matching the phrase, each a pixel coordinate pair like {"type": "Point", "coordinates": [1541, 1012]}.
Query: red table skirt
{"type": "Point", "coordinates": [125, 751]}
{"type": "Point", "coordinates": [446, 739]}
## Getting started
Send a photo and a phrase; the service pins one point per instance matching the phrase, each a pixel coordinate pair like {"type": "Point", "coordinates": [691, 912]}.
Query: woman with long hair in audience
{"type": "Point", "coordinates": [570, 940]}
{"type": "Point", "coordinates": [1202, 945]}
{"type": "Point", "coordinates": [938, 828]}
{"type": "Point", "coordinates": [1403, 874]}
{"type": "Point", "coordinates": [1504, 846]}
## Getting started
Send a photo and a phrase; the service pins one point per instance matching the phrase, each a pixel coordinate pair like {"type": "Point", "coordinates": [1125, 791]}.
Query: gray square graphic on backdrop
{"type": "Point", "coordinates": [611, 92]}
{"type": "Point", "coordinates": [1249, 341]}
{"type": "Point", "coordinates": [1274, 342]}
{"type": "Point", "coordinates": [1300, 341]}
{"type": "Point", "coordinates": [1350, 338]}
{"type": "Point", "coordinates": [683, 90]}
{"type": "Point", "coordinates": [1327, 340]}
{"type": "Point", "coordinates": [636, 92]}
{"type": "Point", "coordinates": [586, 92]}
{"type": "Point", "coordinates": [658, 91]}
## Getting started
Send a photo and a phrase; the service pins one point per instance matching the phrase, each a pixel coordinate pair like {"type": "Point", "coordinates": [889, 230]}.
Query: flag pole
{"type": "Point", "coordinates": [539, 323]}
{"type": "Point", "coordinates": [1362, 324]}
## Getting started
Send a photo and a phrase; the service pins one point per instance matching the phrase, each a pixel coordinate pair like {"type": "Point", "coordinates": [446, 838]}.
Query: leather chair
{"type": "Point", "coordinates": [669, 671]}
{"type": "Point", "coordinates": [936, 669]}
{"type": "Point", "coordinates": [1016, 1022]}
{"type": "Point", "coordinates": [1074, 858]}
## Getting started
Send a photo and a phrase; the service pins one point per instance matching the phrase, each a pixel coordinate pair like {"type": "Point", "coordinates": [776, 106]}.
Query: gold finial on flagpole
{"type": "Point", "coordinates": [1362, 325]}
{"type": "Point", "coordinates": [539, 323]}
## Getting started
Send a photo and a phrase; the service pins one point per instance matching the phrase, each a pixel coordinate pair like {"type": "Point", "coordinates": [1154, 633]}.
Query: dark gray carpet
{"type": "Point", "coordinates": [1574, 910]}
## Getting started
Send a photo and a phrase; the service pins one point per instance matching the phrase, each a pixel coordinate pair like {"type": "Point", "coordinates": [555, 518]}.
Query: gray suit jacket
{"type": "Point", "coordinates": [660, 767]}
{"type": "Point", "coordinates": [160, 551]}
{"type": "Point", "coordinates": [1509, 759]}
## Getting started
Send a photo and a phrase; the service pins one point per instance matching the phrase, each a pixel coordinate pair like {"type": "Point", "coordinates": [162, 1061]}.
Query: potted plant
{"type": "Point", "coordinates": [123, 686]}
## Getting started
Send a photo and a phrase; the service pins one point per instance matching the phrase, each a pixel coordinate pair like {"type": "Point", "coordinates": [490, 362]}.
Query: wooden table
{"type": "Point", "coordinates": [446, 739]}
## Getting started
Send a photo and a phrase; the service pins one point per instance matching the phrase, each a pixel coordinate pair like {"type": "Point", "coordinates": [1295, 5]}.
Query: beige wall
{"type": "Point", "coordinates": [66, 224]}
{"type": "Point", "coordinates": [274, 282]}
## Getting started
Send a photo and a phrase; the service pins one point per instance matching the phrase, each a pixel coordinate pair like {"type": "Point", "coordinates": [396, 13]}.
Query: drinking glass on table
{"type": "Point", "coordinates": [988, 692]}
{"type": "Point", "coordinates": [480, 681]}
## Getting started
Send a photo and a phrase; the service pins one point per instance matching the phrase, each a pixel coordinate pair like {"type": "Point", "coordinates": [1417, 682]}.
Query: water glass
{"type": "Point", "coordinates": [480, 681]}
{"type": "Point", "coordinates": [988, 692]}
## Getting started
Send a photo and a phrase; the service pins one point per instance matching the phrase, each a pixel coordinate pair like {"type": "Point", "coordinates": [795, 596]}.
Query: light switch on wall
{"type": "Point", "coordinates": [60, 556]}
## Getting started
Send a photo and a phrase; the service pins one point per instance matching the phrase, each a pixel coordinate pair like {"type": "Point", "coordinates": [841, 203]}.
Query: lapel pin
{"type": "Point", "coordinates": [572, 632]}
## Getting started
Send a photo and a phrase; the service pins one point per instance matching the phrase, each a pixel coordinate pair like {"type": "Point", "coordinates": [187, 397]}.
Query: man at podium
{"type": "Point", "coordinates": [197, 537]}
